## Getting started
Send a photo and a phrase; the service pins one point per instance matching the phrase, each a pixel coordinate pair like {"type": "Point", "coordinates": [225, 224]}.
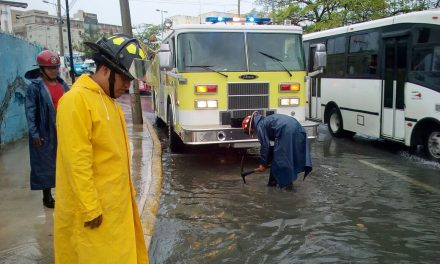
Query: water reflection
{"type": "Point", "coordinates": [344, 212]}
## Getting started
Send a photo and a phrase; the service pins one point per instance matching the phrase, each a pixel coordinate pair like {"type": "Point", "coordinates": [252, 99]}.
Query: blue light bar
{"type": "Point", "coordinates": [218, 19]}
{"type": "Point", "coordinates": [258, 20]}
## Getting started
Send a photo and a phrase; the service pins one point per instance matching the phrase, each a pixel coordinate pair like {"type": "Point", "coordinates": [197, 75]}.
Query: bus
{"type": "Point", "coordinates": [381, 79]}
{"type": "Point", "coordinates": [207, 77]}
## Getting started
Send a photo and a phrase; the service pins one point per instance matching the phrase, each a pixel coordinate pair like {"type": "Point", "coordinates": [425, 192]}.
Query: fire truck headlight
{"type": "Point", "coordinates": [206, 104]}
{"type": "Point", "coordinates": [289, 101]}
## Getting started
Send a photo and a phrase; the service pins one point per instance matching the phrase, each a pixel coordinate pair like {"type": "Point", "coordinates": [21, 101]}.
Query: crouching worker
{"type": "Point", "coordinates": [290, 154]}
{"type": "Point", "coordinates": [96, 217]}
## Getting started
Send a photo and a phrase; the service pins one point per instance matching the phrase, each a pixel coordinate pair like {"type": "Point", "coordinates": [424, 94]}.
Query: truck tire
{"type": "Point", "coordinates": [431, 143]}
{"type": "Point", "coordinates": [175, 145]}
{"type": "Point", "coordinates": [336, 125]}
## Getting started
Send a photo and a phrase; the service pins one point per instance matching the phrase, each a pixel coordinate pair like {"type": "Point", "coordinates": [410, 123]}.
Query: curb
{"type": "Point", "coordinates": [148, 215]}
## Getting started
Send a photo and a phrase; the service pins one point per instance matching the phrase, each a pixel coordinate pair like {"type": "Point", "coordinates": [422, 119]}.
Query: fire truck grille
{"type": "Point", "coordinates": [248, 96]}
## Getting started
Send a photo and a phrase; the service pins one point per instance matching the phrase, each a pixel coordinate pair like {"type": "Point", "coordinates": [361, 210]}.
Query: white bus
{"type": "Point", "coordinates": [381, 79]}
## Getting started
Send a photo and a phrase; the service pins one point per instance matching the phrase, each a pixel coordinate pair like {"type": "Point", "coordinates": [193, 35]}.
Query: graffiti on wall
{"type": "Point", "coordinates": [17, 56]}
{"type": "Point", "coordinates": [15, 93]}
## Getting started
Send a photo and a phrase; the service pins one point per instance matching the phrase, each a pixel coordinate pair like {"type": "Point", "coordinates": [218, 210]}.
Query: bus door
{"type": "Point", "coordinates": [314, 97]}
{"type": "Point", "coordinates": [393, 104]}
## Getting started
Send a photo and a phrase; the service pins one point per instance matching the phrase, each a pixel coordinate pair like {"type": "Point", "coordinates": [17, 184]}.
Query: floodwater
{"type": "Point", "coordinates": [366, 201]}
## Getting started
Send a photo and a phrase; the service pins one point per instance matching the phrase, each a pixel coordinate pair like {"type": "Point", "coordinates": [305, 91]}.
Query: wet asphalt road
{"type": "Point", "coordinates": [366, 201]}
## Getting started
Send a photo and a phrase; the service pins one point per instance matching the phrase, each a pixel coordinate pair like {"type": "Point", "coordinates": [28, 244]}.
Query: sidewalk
{"type": "Point", "coordinates": [26, 226]}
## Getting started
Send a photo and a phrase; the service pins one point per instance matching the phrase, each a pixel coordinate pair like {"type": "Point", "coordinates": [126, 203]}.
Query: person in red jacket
{"type": "Point", "coordinates": [42, 97]}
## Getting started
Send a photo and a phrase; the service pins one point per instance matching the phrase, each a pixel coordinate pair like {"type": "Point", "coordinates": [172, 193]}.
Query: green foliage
{"type": "Point", "coordinates": [90, 37]}
{"type": "Point", "coordinates": [316, 15]}
{"type": "Point", "coordinates": [149, 34]}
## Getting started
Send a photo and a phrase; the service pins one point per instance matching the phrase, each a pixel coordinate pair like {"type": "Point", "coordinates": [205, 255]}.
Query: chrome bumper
{"type": "Point", "coordinates": [233, 136]}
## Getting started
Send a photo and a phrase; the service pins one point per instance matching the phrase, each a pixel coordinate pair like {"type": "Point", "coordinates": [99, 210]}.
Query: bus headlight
{"type": "Point", "coordinates": [205, 104]}
{"type": "Point", "coordinates": [293, 101]}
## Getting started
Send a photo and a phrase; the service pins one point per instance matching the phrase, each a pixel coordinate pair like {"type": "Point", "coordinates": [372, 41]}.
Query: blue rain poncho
{"type": "Point", "coordinates": [291, 153]}
{"type": "Point", "coordinates": [40, 115]}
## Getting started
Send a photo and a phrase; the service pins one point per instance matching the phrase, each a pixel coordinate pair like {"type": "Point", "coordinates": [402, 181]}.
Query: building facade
{"type": "Point", "coordinates": [40, 27]}
{"type": "Point", "coordinates": [6, 16]}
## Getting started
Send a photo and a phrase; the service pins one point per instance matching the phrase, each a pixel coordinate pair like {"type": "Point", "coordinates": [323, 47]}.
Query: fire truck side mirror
{"type": "Point", "coordinates": [320, 57]}
{"type": "Point", "coordinates": [165, 57]}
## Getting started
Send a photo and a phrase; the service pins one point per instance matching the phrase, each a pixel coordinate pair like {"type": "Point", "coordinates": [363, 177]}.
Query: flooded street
{"type": "Point", "coordinates": [366, 201]}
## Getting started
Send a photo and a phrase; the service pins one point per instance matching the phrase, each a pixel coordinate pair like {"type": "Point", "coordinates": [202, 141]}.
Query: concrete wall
{"type": "Point", "coordinates": [16, 57]}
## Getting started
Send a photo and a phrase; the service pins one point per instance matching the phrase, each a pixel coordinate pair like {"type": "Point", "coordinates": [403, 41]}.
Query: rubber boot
{"type": "Point", "coordinates": [48, 200]}
{"type": "Point", "coordinates": [272, 182]}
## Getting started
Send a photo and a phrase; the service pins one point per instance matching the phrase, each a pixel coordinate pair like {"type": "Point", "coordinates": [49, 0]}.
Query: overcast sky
{"type": "Point", "coordinates": [142, 11]}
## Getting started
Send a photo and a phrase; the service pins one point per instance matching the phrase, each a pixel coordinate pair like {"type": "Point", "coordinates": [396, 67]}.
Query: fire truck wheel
{"type": "Point", "coordinates": [175, 145]}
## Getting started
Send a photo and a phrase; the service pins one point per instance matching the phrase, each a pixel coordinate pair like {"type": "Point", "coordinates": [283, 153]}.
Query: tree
{"type": "Point", "coordinates": [315, 15]}
{"type": "Point", "coordinates": [405, 6]}
{"type": "Point", "coordinates": [89, 36]}
{"type": "Point", "coordinates": [147, 33]}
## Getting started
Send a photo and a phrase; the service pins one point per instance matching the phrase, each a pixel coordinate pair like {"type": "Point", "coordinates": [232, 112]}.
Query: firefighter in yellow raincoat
{"type": "Point", "coordinates": [96, 217]}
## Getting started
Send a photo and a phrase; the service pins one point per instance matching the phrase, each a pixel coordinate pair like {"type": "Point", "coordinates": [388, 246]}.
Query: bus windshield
{"type": "Point", "coordinates": [225, 51]}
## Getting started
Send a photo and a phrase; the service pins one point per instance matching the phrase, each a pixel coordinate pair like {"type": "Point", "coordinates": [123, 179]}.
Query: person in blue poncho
{"type": "Point", "coordinates": [42, 96]}
{"type": "Point", "coordinates": [290, 154]}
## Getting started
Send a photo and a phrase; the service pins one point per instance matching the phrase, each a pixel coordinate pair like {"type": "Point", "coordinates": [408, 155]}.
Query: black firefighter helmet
{"type": "Point", "coordinates": [120, 53]}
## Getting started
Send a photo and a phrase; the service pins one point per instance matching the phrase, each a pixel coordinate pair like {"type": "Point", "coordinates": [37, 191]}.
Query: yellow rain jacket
{"type": "Point", "coordinates": [93, 178]}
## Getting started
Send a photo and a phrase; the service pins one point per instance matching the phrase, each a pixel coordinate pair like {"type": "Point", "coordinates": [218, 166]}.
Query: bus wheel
{"type": "Point", "coordinates": [175, 145]}
{"type": "Point", "coordinates": [432, 143]}
{"type": "Point", "coordinates": [335, 125]}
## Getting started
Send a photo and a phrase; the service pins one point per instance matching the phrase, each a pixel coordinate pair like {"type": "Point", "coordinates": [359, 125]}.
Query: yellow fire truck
{"type": "Point", "coordinates": [206, 78]}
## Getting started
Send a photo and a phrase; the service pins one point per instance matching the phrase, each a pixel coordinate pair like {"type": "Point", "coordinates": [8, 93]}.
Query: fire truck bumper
{"type": "Point", "coordinates": [232, 136]}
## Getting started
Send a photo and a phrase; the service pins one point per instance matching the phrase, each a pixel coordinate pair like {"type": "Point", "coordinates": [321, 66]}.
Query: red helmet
{"type": "Point", "coordinates": [47, 58]}
{"type": "Point", "coordinates": [245, 124]}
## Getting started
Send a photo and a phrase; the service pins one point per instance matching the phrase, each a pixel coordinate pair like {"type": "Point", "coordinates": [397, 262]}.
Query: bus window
{"type": "Point", "coordinates": [306, 53]}
{"type": "Point", "coordinates": [335, 56]}
{"type": "Point", "coordinates": [362, 64]}
{"type": "Point", "coordinates": [422, 59]}
{"type": "Point", "coordinates": [364, 42]}
{"type": "Point", "coordinates": [362, 59]}
{"type": "Point", "coordinates": [425, 68]}
{"type": "Point", "coordinates": [428, 35]}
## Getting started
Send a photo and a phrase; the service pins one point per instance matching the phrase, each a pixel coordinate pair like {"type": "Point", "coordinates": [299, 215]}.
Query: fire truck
{"type": "Point", "coordinates": [206, 78]}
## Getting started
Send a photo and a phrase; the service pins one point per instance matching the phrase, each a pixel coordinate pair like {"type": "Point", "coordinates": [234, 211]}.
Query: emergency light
{"type": "Point", "coordinates": [203, 89]}
{"type": "Point", "coordinates": [289, 87]}
{"type": "Point", "coordinates": [247, 20]}
{"type": "Point", "coordinates": [214, 20]}
{"type": "Point", "coordinates": [258, 20]}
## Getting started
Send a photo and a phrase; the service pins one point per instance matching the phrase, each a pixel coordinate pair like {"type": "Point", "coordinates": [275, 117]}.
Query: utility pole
{"type": "Point", "coordinates": [162, 25]}
{"type": "Point", "coordinates": [136, 109]}
{"type": "Point", "coordinates": [60, 28]}
{"type": "Point", "coordinates": [238, 8]}
{"type": "Point", "coordinates": [273, 11]}
{"type": "Point", "coordinates": [69, 39]}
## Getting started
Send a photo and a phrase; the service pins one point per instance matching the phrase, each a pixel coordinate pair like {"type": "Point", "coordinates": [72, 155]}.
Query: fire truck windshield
{"type": "Point", "coordinates": [226, 51]}
{"type": "Point", "coordinates": [223, 51]}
